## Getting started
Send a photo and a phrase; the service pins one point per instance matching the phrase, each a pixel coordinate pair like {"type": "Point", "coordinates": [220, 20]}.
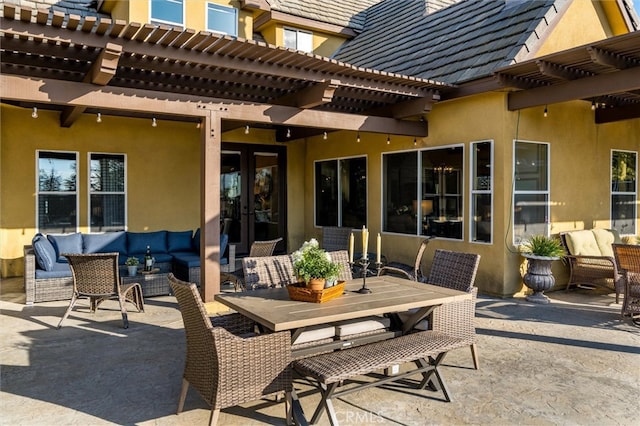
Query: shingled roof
{"type": "Point", "coordinates": [346, 13]}
{"type": "Point", "coordinates": [68, 7]}
{"type": "Point", "coordinates": [462, 42]}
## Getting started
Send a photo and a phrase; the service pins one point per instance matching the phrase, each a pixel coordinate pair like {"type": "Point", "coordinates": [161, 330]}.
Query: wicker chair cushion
{"type": "Point", "coordinates": [179, 241]}
{"type": "Point", "coordinates": [59, 270]}
{"type": "Point", "coordinates": [606, 237]}
{"type": "Point", "coordinates": [105, 243]}
{"type": "Point", "coordinates": [44, 251]}
{"type": "Point", "coordinates": [66, 243]}
{"type": "Point", "coordinates": [138, 241]}
{"type": "Point", "coordinates": [361, 325]}
{"type": "Point", "coordinates": [315, 333]}
{"type": "Point", "coordinates": [583, 243]}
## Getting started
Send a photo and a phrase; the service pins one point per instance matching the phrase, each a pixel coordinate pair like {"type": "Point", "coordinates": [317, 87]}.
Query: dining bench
{"type": "Point", "coordinates": [329, 371]}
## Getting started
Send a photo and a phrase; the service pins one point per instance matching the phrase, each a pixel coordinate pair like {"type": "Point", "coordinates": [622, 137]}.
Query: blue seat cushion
{"type": "Point", "coordinates": [105, 243]}
{"type": "Point", "coordinates": [44, 251]}
{"type": "Point", "coordinates": [137, 242]}
{"type": "Point", "coordinates": [59, 270]}
{"type": "Point", "coordinates": [66, 243]}
{"type": "Point", "coordinates": [179, 241]}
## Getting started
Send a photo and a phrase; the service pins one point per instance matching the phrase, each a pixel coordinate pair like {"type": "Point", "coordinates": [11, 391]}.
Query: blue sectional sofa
{"type": "Point", "coordinates": [47, 275]}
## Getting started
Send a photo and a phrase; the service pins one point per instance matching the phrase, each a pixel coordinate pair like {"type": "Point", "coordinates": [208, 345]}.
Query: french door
{"type": "Point", "coordinates": [253, 194]}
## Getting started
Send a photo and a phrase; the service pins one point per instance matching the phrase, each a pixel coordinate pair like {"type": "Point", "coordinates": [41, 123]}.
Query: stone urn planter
{"type": "Point", "coordinates": [540, 252]}
{"type": "Point", "coordinates": [538, 277]}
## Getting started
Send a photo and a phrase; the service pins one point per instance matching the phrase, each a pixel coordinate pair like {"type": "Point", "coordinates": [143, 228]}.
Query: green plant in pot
{"type": "Point", "coordinates": [314, 266]}
{"type": "Point", "coordinates": [132, 266]}
{"type": "Point", "coordinates": [540, 251]}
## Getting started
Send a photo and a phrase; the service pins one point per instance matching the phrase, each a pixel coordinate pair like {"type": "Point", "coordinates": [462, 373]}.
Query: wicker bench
{"type": "Point", "coordinates": [328, 371]}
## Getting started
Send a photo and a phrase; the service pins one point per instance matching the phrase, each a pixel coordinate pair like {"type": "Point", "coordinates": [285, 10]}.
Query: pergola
{"type": "Point", "coordinates": [78, 65]}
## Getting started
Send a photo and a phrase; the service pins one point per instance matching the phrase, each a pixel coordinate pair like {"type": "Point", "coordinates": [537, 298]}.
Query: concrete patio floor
{"type": "Point", "coordinates": [572, 362]}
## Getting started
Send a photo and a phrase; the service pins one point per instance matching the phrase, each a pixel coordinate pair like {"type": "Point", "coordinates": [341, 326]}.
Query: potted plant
{"type": "Point", "coordinates": [314, 266]}
{"type": "Point", "coordinates": [132, 266]}
{"type": "Point", "coordinates": [540, 251]}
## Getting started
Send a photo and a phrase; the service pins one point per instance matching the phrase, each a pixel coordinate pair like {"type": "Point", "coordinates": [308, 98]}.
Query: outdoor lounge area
{"type": "Point", "coordinates": [540, 365]}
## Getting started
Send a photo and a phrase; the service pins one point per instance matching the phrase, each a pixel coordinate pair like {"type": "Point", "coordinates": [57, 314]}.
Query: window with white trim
{"type": "Point", "coordinates": [222, 19]}
{"type": "Point", "coordinates": [531, 190]}
{"type": "Point", "coordinates": [624, 191]}
{"type": "Point", "coordinates": [57, 195]}
{"type": "Point", "coordinates": [298, 39]}
{"type": "Point", "coordinates": [167, 12]}
{"type": "Point", "coordinates": [423, 192]}
{"type": "Point", "coordinates": [341, 192]}
{"type": "Point", "coordinates": [481, 213]}
{"type": "Point", "coordinates": [107, 195]}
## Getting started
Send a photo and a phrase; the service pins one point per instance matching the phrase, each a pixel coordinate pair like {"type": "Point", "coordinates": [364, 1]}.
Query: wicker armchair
{"type": "Point", "coordinates": [342, 258]}
{"type": "Point", "coordinates": [225, 368]}
{"type": "Point", "coordinates": [410, 272]}
{"type": "Point", "coordinates": [628, 260]}
{"type": "Point", "coordinates": [269, 271]}
{"type": "Point", "coordinates": [457, 271]}
{"type": "Point", "coordinates": [263, 248]}
{"type": "Point", "coordinates": [96, 277]}
{"type": "Point", "coordinates": [335, 238]}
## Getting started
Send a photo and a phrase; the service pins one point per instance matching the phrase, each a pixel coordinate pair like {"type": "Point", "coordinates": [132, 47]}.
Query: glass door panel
{"type": "Point", "coordinates": [266, 196]}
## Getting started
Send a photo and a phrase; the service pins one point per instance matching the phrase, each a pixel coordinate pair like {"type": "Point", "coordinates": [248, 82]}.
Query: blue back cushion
{"type": "Point", "coordinates": [179, 241]}
{"type": "Point", "coordinates": [137, 242]}
{"type": "Point", "coordinates": [66, 243]}
{"type": "Point", "coordinates": [224, 240]}
{"type": "Point", "coordinates": [196, 241]}
{"type": "Point", "coordinates": [44, 252]}
{"type": "Point", "coordinates": [105, 243]}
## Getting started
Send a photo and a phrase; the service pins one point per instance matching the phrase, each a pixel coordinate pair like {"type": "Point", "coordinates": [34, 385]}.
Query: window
{"type": "Point", "coordinates": [624, 191]}
{"type": "Point", "coordinates": [168, 11]}
{"type": "Point", "coordinates": [481, 192]}
{"type": "Point", "coordinates": [222, 19]}
{"type": "Point", "coordinates": [341, 192]}
{"type": "Point", "coordinates": [531, 190]}
{"type": "Point", "coordinates": [298, 39]}
{"type": "Point", "coordinates": [57, 196]}
{"type": "Point", "coordinates": [422, 192]}
{"type": "Point", "coordinates": [107, 192]}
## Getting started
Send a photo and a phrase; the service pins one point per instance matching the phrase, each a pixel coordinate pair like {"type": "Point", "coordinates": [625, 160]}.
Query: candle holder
{"type": "Point", "coordinates": [364, 263]}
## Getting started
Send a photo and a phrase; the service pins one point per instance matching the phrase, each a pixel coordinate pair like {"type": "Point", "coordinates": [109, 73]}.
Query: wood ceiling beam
{"type": "Point", "coordinates": [558, 71]}
{"type": "Point", "coordinates": [411, 108]}
{"type": "Point", "coordinates": [610, 115]}
{"type": "Point", "coordinates": [102, 71]}
{"type": "Point", "coordinates": [608, 59]}
{"type": "Point", "coordinates": [311, 96]}
{"type": "Point", "coordinates": [139, 102]}
{"type": "Point", "coordinates": [584, 88]}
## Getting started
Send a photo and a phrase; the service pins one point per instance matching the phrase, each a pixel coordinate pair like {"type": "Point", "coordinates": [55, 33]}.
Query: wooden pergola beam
{"type": "Point", "coordinates": [602, 57]}
{"type": "Point", "coordinates": [311, 96]}
{"type": "Point", "coordinates": [584, 88]}
{"type": "Point", "coordinates": [137, 102]}
{"type": "Point", "coordinates": [610, 115]}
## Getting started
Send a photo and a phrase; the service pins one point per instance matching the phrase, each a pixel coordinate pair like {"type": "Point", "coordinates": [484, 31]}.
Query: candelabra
{"type": "Point", "coordinates": [364, 263]}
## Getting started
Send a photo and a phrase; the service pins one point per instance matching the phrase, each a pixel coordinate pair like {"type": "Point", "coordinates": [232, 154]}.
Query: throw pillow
{"type": "Point", "coordinates": [44, 251]}
{"type": "Point", "coordinates": [179, 241]}
{"type": "Point", "coordinates": [66, 243]}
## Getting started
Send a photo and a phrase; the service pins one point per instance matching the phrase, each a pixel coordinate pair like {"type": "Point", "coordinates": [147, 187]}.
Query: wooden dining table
{"type": "Point", "coordinates": [274, 311]}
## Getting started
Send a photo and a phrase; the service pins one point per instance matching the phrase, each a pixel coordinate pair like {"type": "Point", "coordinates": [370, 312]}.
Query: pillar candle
{"type": "Point", "coordinates": [365, 241]}
{"type": "Point", "coordinates": [378, 247]}
{"type": "Point", "coordinates": [351, 241]}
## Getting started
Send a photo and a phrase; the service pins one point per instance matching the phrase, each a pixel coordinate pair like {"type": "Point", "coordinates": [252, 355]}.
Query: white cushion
{"type": "Point", "coordinates": [318, 332]}
{"type": "Point", "coordinates": [604, 239]}
{"type": "Point", "coordinates": [361, 325]}
{"type": "Point", "coordinates": [583, 243]}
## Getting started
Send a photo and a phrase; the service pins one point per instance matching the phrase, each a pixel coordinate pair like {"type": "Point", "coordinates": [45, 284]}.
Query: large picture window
{"type": "Point", "coordinates": [341, 192]}
{"type": "Point", "coordinates": [57, 195]}
{"type": "Point", "coordinates": [531, 190]}
{"type": "Point", "coordinates": [222, 19]}
{"type": "Point", "coordinates": [168, 11]}
{"type": "Point", "coordinates": [423, 191]}
{"type": "Point", "coordinates": [481, 192]}
{"type": "Point", "coordinates": [624, 191]}
{"type": "Point", "coordinates": [298, 39]}
{"type": "Point", "coordinates": [107, 192]}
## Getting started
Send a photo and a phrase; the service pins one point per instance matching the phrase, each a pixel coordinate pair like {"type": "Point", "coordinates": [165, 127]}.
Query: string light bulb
{"type": "Point", "coordinates": [246, 129]}
{"type": "Point", "coordinates": [546, 111]}
{"type": "Point", "coordinates": [388, 140]}
{"type": "Point", "coordinates": [593, 106]}
{"type": "Point", "coordinates": [198, 124]}
{"type": "Point", "coordinates": [34, 113]}
{"type": "Point", "coordinates": [415, 142]}
{"type": "Point", "coordinates": [99, 118]}
{"type": "Point", "coordinates": [154, 122]}
{"type": "Point", "coordinates": [324, 135]}
{"type": "Point", "coordinates": [288, 132]}
{"type": "Point", "coordinates": [358, 137]}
